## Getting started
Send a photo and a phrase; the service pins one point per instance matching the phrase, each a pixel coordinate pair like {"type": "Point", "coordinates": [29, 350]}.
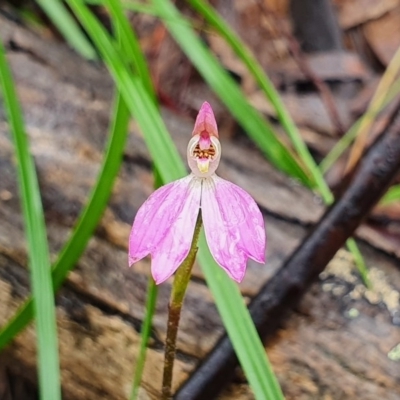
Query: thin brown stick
{"type": "Point", "coordinates": [320, 85]}
{"type": "Point", "coordinates": [304, 66]}
{"type": "Point", "coordinates": [375, 104]}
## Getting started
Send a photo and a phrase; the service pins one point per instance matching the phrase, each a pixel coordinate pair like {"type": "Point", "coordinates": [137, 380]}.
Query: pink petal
{"type": "Point", "coordinates": [205, 124]}
{"type": "Point", "coordinates": [164, 227]}
{"type": "Point", "coordinates": [233, 224]}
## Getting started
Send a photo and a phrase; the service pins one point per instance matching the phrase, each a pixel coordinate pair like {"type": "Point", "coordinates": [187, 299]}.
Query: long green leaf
{"type": "Point", "coordinates": [39, 259]}
{"type": "Point", "coordinates": [130, 45]}
{"type": "Point", "coordinates": [240, 328]}
{"type": "Point", "coordinates": [222, 84]}
{"type": "Point", "coordinates": [62, 19]}
{"type": "Point", "coordinates": [87, 221]}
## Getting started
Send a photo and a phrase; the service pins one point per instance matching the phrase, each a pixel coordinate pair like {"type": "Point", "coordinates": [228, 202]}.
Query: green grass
{"type": "Point", "coordinates": [391, 196]}
{"type": "Point", "coordinates": [240, 327]}
{"type": "Point", "coordinates": [38, 252]}
{"type": "Point", "coordinates": [65, 23]}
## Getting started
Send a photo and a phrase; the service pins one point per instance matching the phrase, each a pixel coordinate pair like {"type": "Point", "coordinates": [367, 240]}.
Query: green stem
{"type": "Point", "coordinates": [36, 237]}
{"type": "Point", "coordinates": [359, 262]}
{"type": "Point", "coordinates": [181, 281]}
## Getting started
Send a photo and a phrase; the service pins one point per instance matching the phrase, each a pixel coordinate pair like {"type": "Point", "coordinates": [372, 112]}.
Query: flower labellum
{"type": "Point", "coordinates": [165, 223]}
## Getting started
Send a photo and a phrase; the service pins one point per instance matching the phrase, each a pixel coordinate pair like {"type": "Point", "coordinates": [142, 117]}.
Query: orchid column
{"type": "Point", "coordinates": [168, 223]}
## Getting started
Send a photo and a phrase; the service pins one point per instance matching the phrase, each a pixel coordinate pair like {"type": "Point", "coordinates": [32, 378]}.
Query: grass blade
{"type": "Point", "coordinates": [39, 259]}
{"type": "Point", "coordinates": [240, 328]}
{"type": "Point", "coordinates": [130, 44]}
{"type": "Point", "coordinates": [62, 19]}
{"type": "Point", "coordinates": [359, 261]}
{"type": "Point", "coordinates": [391, 196]}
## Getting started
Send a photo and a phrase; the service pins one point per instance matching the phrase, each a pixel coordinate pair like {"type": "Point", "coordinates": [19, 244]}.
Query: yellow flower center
{"type": "Point", "coordinates": [203, 157]}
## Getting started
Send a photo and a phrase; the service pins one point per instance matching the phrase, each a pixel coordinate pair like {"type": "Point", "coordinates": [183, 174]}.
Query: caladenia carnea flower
{"type": "Point", "coordinates": [165, 223]}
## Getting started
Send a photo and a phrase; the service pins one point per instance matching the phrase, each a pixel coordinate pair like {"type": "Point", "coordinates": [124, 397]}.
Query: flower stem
{"type": "Point", "coordinates": [181, 281]}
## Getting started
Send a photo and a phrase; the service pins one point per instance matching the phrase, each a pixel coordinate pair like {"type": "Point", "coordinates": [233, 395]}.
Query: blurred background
{"type": "Point", "coordinates": [278, 74]}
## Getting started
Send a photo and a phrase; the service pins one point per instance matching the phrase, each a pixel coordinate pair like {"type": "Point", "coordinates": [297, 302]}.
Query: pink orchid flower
{"type": "Point", "coordinates": [165, 223]}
